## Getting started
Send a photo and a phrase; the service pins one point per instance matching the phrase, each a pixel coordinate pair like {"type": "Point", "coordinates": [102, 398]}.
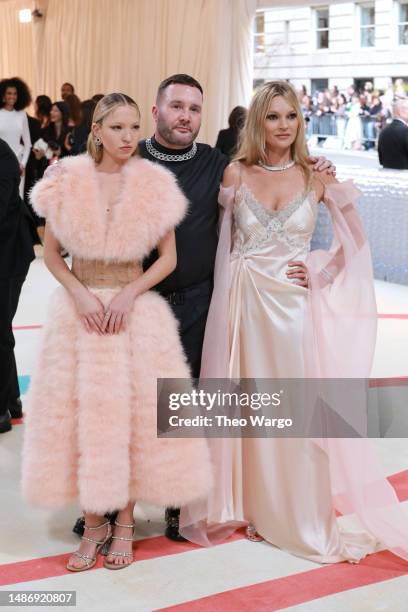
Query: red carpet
{"type": "Point", "coordinates": [300, 588]}
{"type": "Point", "coordinates": [48, 567]}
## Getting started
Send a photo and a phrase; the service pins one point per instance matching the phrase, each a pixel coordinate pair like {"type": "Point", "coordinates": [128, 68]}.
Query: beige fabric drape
{"type": "Point", "coordinates": [16, 42]}
{"type": "Point", "coordinates": [131, 45]}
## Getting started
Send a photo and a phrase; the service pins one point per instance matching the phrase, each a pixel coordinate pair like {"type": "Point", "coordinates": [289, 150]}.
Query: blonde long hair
{"type": "Point", "coordinates": [105, 106]}
{"type": "Point", "coordinates": [252, 142]}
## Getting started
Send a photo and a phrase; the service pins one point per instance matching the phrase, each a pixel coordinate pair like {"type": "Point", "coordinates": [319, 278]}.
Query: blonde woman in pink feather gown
{"type": "Point", "coordinates": [91, 428]}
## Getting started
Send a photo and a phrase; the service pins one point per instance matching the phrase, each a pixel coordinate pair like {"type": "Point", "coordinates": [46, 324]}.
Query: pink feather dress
{"type": "Point", "coordinates": [91, 433]}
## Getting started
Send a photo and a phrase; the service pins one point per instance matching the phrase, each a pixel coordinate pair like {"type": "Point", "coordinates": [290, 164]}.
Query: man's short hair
{"type": "Point", "coordinates": [399, 105]}
{"type": "Point", "coordinates": [178, 79]}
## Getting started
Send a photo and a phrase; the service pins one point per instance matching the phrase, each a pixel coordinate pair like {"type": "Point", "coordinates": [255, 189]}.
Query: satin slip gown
{"type": "Point", "coordinates": [284, 483]}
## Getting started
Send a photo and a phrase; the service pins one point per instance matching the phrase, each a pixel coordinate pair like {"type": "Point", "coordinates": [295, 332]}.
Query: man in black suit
{"type": "Point", "coordinates": [393, 140]}
{"type": "Point", "coordinates": [16, 254]}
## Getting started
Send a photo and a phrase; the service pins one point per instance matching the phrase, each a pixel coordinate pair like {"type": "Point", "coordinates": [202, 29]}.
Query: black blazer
{"type": "Point", "coordinates": [16, 247]}
{"type": "Point", "coordinates": [393, 146]}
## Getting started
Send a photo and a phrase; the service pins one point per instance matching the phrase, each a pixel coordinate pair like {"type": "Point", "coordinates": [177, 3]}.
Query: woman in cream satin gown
{"type": "Point", "coordinates": [292, 313]}
{"type": "Point", "coordinates": [285, 482]}
{"type": "Point", "coordinates": [286, 488]}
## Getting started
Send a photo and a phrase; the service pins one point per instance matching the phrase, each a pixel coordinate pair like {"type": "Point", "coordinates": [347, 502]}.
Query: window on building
{"type": "Point", "coordinates": [367, 25]}
{"type": "Point", "coordinates": [403, 22]}
{"type": "Point", "coordinates": [286, 32]}
{"type": "Point", "coordinates": [362, 84]}
{"type": "Point", "coordinates": [319, 85]}
{"type": "Point", "coordinates": [322, 28]}
{"type": "Point", "coordinates": [259, 33]}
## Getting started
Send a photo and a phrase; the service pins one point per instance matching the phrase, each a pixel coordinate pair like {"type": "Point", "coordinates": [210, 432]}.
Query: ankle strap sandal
{"type": "Point", "coordinates": [90, 561]}
{"type": "Point", "coordinates": [123, 555]}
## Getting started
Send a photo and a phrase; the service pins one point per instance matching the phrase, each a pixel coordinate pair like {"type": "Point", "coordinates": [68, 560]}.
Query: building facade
{"type": "Point", "coordinates": [329, 44]}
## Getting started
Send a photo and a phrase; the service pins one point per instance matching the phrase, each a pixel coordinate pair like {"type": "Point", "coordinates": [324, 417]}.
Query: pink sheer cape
{"type": "Point", "coordinates": [339, 342]}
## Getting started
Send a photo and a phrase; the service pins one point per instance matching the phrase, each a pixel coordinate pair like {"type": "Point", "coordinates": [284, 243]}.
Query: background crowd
{"type": "Point", "coordinates": [354, 116]}
{"type": "Point", "coordinates": [56, 130]}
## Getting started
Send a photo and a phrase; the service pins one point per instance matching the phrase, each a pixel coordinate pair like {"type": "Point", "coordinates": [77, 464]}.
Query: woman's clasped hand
{"type": "Point", "coordinates": [96, 318]}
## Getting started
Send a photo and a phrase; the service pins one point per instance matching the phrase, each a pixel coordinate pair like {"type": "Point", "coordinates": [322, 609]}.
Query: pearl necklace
{"type": "Point", "coordinates": [277, 168]}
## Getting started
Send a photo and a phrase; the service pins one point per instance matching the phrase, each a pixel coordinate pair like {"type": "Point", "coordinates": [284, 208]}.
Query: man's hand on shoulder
{"type": "Point", "coordinates": [321, 180]}
{"type": "Point", "coordinates": [322, 165]}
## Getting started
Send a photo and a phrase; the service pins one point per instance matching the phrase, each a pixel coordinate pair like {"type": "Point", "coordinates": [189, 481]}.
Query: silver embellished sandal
{"type": "Point", "coordinates": [252, 534]}
{"type": "Point", "coordinates": [90, 561]}
{"type": "Point", "coordinates": [117, 566]}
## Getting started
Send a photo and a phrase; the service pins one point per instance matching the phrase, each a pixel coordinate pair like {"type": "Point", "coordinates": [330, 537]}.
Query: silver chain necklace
{"type": "Point", "coordinates": [168, 156]}
{"type": "Point", "coordinates": [277, 168]}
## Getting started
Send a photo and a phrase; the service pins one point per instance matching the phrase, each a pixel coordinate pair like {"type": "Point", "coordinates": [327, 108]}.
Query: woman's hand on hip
{"type": "Point", "coordinates": [90, 310]}
{"type": "Point", "coordinates": [117, 313]}
{"type": "Point", "coordinates": [298, 270]}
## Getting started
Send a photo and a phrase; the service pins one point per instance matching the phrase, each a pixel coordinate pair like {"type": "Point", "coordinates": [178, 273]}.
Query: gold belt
{"type": "Point", "coordinates": [99, 274]}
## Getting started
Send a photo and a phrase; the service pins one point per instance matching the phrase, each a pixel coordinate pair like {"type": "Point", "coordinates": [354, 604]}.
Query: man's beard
{"type": "Point", "coordinates": [173, 138]}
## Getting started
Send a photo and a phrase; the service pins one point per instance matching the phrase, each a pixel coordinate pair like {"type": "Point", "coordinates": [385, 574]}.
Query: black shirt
{"type": "Point", "coordinates": [196, 237]}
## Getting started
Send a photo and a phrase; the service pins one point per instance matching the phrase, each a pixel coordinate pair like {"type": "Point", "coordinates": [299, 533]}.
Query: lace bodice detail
{"type": "Point", "coordinates": [256, 226]}
{"type": "Point", "coordinates": [263, 214]}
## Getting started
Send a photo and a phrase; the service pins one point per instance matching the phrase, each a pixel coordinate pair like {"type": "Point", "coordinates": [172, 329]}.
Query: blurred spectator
{"type": "Point", "coordinates": [16, 254]}
{"type": "Point", "coordinates": [76, 142]}
{"type": "Point", "coordinates": [333, 92]}
{"type": "Point", "coordinates": [227, 140]}
{"type": "Point", "coordinates": [74, 122]}
{"type": "Point", "coordinates": [368, 90]}
{"type": "Point", "coordinates": [374, 120]}
{"type": "Point", "coordinates": [51, 146]}
{"type": "Point", "coordinates": [14, 98]}
{"type": "Point", "coordinates": [67, 90]}
{"type": "Point", "coordinates": [57, 130]}
{"type": "Point", "coordinates": [341, 117]}
{"type": "Point", "coordinates": [393, 140]}
{"type": "Point", "coordinates": [34, 126]}
{"type": "Point", "coordinates": [400, 88]}
{"type": "Point", "coordinates": [322, 121]}
{"type": "Point", "coordinates": [37, 165]}
{"type": "Point", "coordinates": [351, 91]}
{"type": "Point", "coordinates": [74, 110]}
{"type": "Point", "coordinates": [354, 134]}
{"type": "Point", "coordinates": [42, 109]}
{"type": "Point", "coordinates": [366, 123]}
{"type": "Point", "coordinates": [304, 99]}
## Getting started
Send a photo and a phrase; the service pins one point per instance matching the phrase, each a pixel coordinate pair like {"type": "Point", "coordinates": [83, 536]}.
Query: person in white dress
{"type": "Point", "coordinates": [14, 98]}
{"type": "Point", "coordinates": [353, 134]}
